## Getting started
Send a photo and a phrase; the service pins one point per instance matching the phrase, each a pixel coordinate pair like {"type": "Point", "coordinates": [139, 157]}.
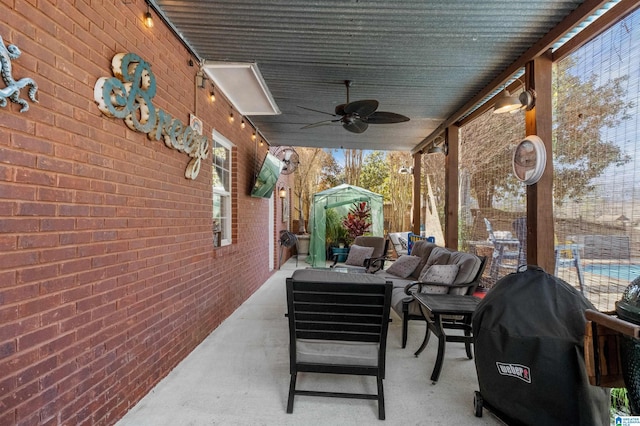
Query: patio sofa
{"type": "Point", "coordinates": [431, 269]}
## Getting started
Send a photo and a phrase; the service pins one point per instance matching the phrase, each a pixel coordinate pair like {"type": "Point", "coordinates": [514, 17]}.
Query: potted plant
{"type": "Point", "coordinates": [335, 233]}
{"type": "Point", "coordinates": [358, 221]}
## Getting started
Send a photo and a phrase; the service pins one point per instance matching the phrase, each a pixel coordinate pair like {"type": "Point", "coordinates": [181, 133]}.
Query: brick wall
{"type": "Point", "coordinates": [108, 276]}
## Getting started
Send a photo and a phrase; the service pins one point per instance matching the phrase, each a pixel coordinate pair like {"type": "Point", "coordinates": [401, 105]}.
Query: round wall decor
{"type": "Point", "coordinates": [529, 160]}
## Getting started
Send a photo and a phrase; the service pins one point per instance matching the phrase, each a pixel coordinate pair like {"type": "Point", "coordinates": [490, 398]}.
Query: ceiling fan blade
{"type": "Point", "coordinates": [319, 123]}
{"type": "Point", "coordinates": [315, 110]}
{"type": "Point", "coordinates": [355, 126]}
{"type": "Point", "coordinates": [362, 108]}
{"type": "Point", "coordinates": [383, 117]}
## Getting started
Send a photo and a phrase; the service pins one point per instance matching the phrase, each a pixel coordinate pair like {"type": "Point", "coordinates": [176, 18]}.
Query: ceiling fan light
{"type": "Point", "coordinates": [507, 103]}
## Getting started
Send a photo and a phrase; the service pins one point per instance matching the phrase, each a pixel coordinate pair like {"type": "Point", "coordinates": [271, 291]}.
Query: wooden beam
{"type": "Point", "coordinates": [452, 140]}
{"type": "Point", "coordinates": [415, 204]}
{"type": "Point", "coordinates": [540, 225]}
{"type": "Point", "coordinates": [582, 12]}
{"type": "Point", "coordinates": [606, 21]}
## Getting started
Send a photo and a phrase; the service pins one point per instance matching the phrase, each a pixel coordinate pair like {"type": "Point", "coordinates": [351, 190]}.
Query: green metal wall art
{"type": "Point", "coordinates": [12, 91]}
{"type": "Point", "coordinates": [128, 95]}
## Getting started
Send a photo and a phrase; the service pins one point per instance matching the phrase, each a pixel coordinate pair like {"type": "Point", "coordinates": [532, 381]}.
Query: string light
{"type": "Point", "coordinates": [148, 19]}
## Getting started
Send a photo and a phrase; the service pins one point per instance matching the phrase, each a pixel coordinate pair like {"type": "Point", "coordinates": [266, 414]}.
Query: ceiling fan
{"type": "Point", "coordinates": [356, 116]}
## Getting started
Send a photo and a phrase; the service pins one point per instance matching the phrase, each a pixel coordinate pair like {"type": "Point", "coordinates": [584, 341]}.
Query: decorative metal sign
{"type": "Point", "coordinates": [12, 91]}
{"type": "Point", "coordinates": [128, 95]}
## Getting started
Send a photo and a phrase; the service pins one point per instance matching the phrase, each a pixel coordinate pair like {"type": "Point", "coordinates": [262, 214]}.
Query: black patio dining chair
{"type": "Point", "coordinates": [338, 325]}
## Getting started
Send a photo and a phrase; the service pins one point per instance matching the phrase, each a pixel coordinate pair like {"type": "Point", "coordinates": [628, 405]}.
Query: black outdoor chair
{"type": "Point", "coordinates": [338, 324]}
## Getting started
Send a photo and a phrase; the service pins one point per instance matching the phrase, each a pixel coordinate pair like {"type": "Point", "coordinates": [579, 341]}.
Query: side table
{"type": "Point", "coordinates": [433, 308]}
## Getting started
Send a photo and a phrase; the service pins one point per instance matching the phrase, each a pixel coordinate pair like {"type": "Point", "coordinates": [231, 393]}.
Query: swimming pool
{"type": "Point", "coordinates": [615, 270]}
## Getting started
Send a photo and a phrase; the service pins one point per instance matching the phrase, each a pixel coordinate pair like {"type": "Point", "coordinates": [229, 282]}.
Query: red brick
{"type": "Point", "coordinates": [37, 337]}
{"type": "Point", "coordinates": [53, 194]}
{"type": "Point", "coordinates": [8, 242]}
{"type": "Point", "coordinates": [36, 209]}
{"type": "Point", "coordinates": [12, 364]}
{"type": "Point", "coordinates": [76, 293]}
{"type": "Point", "coordinates": [32, 144]}
{"type": "Point", "coordinates": [35, 371]}
{"type": "Point", "coordinates": [57, 254]}
{"type": "Point", "coordinates": [57, 375]}
{"type": "Point", "coordinates": [7, 349]}
{"type": "Point", "coordinates": [73, 182]}
{"type": "Point", "coordinates": [56, 224]}
{"type": "Point", "coordinates": [37, 241]}
{"type": "Point", "coordinates": [19, 293]}
{"type": "Point", "coordinates": [51, 164]}
{"type": "Point", "coordinates": [19, 158]}
{"type": "Point", "coordinates": [73, 210]}
{"type": "Point", "coordinates": [75, 238]}
{"type": "Point", "coordinates": [75, 266]}
{"type": "Point", "coordinates": [35, 177]}
{"type": "Point", "coordinates": [57, 284]}
{"type": "Point", "coordinates": [39, 273]}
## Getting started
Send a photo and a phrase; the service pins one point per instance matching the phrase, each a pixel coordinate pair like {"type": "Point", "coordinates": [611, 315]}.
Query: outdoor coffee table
{"type": "Point", "coordinates": [433, 308]}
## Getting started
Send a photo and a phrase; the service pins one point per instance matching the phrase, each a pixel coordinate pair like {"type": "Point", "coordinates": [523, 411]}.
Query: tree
{"type": "Point", "coordinates": [399, 187]}
{"type": "Point", "coordinates": [311, 175]}
{"type": "Point", "coordinates": [374, 173]}
{"type": "Point", "coordinates": [488, 142]}
{"type": "Point", "coordinates": [352, 166]}
{"type": "Point", "coordinates": [581, 110]}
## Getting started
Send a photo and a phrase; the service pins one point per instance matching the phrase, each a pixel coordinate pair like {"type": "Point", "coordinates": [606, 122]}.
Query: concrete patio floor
{"type": "Point", "coordinates": [239, 375]}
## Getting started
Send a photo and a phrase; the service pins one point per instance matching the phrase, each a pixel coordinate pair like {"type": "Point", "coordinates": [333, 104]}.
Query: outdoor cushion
{"type": "Point", "coordinates": [404, 266]}
{"type": "Point", "coordinates": [357, 255]}
{"type": "Point", "coordinates": [331, 276]}
{"type": "Point", "coordinates": [443, 274]}
{"type": "Point", "coordinates": [468, 265]}
{"type": "Point", "coordinates": [422, 249]}
{"type": "Point", "coordinates": [437, 256]}
{"type": "Point", "coordinates": [335, 352]}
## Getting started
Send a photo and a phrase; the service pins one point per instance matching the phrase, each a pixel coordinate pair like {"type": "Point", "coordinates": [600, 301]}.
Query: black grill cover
{"type": "Point", "coordinates": [529, 353]}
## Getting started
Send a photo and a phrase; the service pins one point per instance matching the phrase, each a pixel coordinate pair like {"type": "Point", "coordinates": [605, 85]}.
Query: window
{"type": "Point", "coordinates": [221, 185]}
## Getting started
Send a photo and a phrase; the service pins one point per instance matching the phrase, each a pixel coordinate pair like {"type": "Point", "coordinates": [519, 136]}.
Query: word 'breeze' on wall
{"type": "Point", "coordinates": [128, 95]}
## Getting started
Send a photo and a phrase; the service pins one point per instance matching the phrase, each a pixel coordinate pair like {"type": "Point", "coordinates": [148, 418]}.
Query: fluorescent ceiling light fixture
{"type": "Point", "coordinates": [243, 85]}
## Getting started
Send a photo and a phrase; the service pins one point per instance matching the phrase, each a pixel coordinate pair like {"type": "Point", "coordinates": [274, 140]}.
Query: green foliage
{"type": "Point", "coordinates": [358, 221]}
{"type": "Point", "coordinates": [375, 171]}
{"type": "Point", "coordinates": [581, 110]}
{"type": "Point", "coordinates": [335, 232]}
{"type": "Point", "coordinates": [619, 402]}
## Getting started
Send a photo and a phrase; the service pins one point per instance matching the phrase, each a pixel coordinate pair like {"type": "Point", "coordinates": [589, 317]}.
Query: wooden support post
{"type": "Point", "coordinates": [452, 141]}
{"type": "Point", "coordinates": [415, 198]}
{"type": "Point", "coordinates": [540, 226]}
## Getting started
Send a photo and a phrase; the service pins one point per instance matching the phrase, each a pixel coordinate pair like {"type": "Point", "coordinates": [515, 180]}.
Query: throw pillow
{"type": "Point", "coordinates": [404, 266]}
{"type": "Point", "coordinates": [442, 274]}
{"type": "Point", "coordinates": [357, 255]}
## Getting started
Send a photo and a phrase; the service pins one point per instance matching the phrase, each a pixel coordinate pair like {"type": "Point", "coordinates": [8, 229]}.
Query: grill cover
{"type": "Point", "coordinates": [529, 352]}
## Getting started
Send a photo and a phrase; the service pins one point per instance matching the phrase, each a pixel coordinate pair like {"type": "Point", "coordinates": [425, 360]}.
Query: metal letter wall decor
{"type": "Point", "coordinates": [12, 91]}
{"type": "Point", "coordinates": [128, 95]}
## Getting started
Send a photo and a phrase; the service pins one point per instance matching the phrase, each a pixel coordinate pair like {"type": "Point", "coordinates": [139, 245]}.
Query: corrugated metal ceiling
{"type": "Point", "coordinates": [423, 59]}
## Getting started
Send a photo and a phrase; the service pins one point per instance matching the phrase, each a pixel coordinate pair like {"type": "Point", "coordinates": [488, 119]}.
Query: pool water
{"type": "Point", "coordinates": [615, 270]}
